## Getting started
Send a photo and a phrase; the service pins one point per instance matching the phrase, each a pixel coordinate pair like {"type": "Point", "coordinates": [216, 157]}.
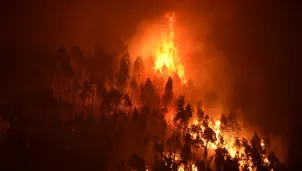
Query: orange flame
{"type": "Point", "coordinates": [167, 61]}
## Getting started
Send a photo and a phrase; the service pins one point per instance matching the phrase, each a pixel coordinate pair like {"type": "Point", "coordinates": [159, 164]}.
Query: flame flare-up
{"type": "Point", "coordinates": [167, 63]}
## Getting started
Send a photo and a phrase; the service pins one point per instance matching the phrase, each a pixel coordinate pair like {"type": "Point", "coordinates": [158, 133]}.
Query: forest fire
{"type": "Point", "coordinates": [174, 95]}
{"type": "Point", "coordinates": [167, 61]}
{"type": "Point", "coordinates": [236, 147]}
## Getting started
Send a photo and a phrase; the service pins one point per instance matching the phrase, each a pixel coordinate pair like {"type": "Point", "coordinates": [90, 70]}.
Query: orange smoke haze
{"type": "Point", "coordinates": [181, 43]}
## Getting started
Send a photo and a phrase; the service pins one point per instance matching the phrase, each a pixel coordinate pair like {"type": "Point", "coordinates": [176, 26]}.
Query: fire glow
{"type": "Point", "coordinates": [167, 61]}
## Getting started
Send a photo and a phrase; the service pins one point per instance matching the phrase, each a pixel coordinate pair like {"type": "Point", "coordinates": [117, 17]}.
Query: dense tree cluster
{"type": "Point", "coordinates": [104, 122]}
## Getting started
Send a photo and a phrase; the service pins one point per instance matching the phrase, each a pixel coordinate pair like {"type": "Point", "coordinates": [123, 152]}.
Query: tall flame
{"type": "Point", "coordinates": [167, 61]}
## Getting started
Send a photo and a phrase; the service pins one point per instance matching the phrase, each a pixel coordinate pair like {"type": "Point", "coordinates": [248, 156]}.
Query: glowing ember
{"type": "Point", "coordinates": [229, 144]}
{"type": "Point", "coordinates": [181, 168]}
{"type": "Point", "coordinates": [194, 167]}
{"type": "Point", "coordinates": [167, 61]}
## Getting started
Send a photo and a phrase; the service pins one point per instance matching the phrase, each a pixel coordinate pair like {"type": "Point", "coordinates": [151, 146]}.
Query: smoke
{"type": "Point", "coordinates": [208, 68]}
{"type": "Point", "coordinates": [236, 51]}
{"type": "Point", "coordinates": [218, 54]}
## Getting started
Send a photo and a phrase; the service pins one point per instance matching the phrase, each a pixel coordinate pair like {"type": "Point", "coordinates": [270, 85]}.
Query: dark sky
{"type": "Point", "coordinates": [262, 39]}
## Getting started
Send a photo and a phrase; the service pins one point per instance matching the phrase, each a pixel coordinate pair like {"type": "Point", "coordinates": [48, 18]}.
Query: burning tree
{"type": "Point", "coordinates": [188, 139]}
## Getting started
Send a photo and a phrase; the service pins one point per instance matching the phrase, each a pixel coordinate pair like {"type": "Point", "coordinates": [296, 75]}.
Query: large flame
{"type": "Point", "coordinates": [167, 61]}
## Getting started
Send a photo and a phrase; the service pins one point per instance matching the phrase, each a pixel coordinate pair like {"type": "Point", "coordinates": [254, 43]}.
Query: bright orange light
{"type": "Point", "coordinates": [167, 61]}
{"type": "Point", "coordinates": [229, 143]}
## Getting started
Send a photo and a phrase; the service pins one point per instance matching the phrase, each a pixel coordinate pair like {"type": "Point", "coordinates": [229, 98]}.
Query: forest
{"type": "Point", "coordinates": [103, 112]}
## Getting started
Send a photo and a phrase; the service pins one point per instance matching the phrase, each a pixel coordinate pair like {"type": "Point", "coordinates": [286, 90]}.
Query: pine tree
{"type": "Point", "coordinates": [138, 66]}
{"type": "Point", "coordinates": [134, 86]}
{"type": "Point", "coordinates": [124, 72]}
{"type": "Point", "coordinates": [168, 93]}
{"type": "Point", "coordinates": [64, 70]}
{"type": "Point", "coordinates": [149, 96]}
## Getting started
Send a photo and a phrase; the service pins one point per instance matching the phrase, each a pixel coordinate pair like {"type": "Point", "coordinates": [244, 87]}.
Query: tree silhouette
{"type": "Point", "coordinates": [173, 142]}
{"type": "Point", "coordinates": [163, 165]}
{"type": "Point", "coordinates": [134, 86]}
{"type": "Point", "coordinates": [190, 91]}
{"type": "Point", "coordinates": [149, 96]}
{"type": "Point", "coordinates": [247, 151]}
{"type": "Point", "coordinates": [64, 70]}
{"type": "Point", "coordinates": [210, 136]}
{"type": "Point", "coordinates": [104, 101]}
{"type": "Point", "coordinates": [275, 164]}
{"type": "Point", "coordinates": [158, 150]}
{"type": "Point", "coordinates": [85, 93]}
{"type": "Point", "coordinates": [76, 89]}
{"type": "Point", "coordinates": [197, 143]}
{"type": "Point", "coordinates": [35, 137]}
{"type": "Point", "coordinates": [63, 63]}
{"type": "Point", "coordinates": [257, 152]}
{"type": "Point", "coordinates": [180, 117]}
{"type": "Point", "coordinates": [93, 91]}
{"type": "Point", "coordinates": [61, 55]}
{"type": "Point", "coordinates": [186, 154]}
{"type": "Point", "coordinates": [220, 155]}
{"type": "Point", "coordinates": [77, 57]}
{"type": "Point", "coordinates": [136, 163]}
{"type": "Point", "coordinates": [223, 160]}
{"type": "Point", "coordinates": [166, 163]}
{"type": "Point", "coordinates": [200, 113]}
{"type": "Point", "coordinates": [124, 72]}
{"type": "Point", "coordinates": [114, 98]}
{"type": "Point", "coordinates": [135, 115]}
{"type": "Point", "coordinates": [229, 122]}
{"type": "Point", "coordinates": [200, 165]}
{"type": "Point", "coordinates": [138, 67]}
{"type": "Point", "coordinates": [168, 93]}
{"type": "Point", "coordinates": [231, 164]}
{"type": "Point", "coordinates": [125, 104]}
{"type": "Point", "coordinates": [102, 63]}
{"type": "Point", "coordinates": [188, 112]}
